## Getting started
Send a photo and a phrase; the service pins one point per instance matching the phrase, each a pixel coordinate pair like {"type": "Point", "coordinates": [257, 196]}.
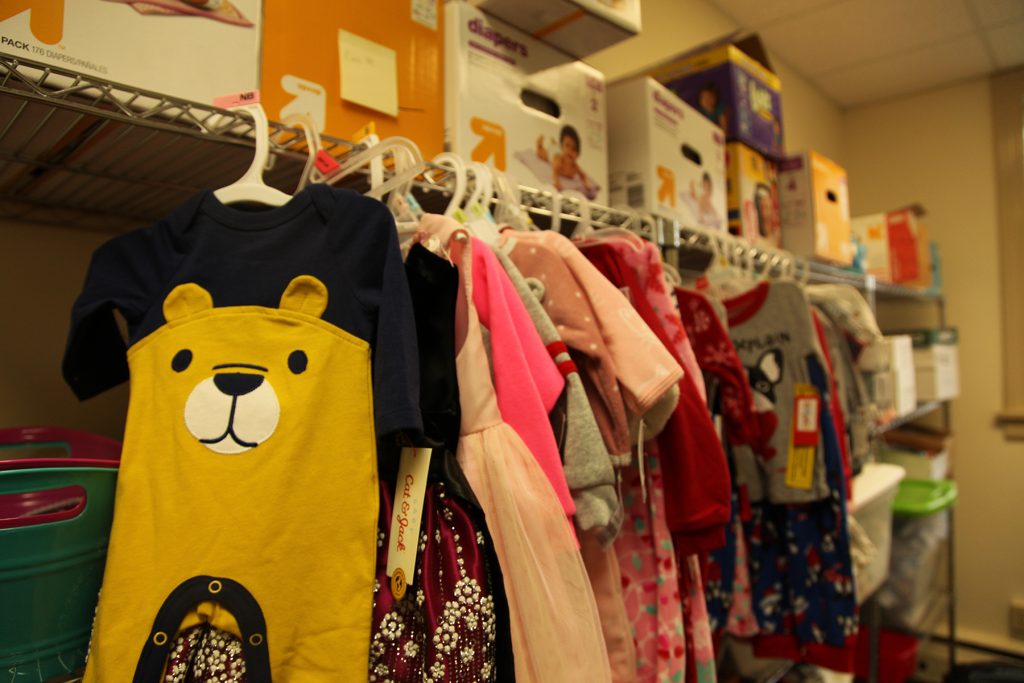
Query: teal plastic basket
{"type": "Point", "coordinates": [920, 497]}
{"type": "Point", "coordinates": [54, 525]}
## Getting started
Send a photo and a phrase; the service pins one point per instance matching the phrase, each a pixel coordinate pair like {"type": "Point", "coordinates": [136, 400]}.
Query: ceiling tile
{"type": "Point", "coordinates": [754, 14]}
{"type": "Point", "coordinates": [855, 31]}
{"type": "Point", "coordinates": [1007, 43]}
{"type": "Point", "coordinates": [910, 72]}
{"type": "Point", "coordinates": [992, 12]}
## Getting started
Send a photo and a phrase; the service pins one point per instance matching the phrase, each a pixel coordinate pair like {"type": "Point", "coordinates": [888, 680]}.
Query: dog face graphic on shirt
{"type": "Point", "coordinates": [233, 397]}
{"type": "Point", "coordinates": [764, 377]}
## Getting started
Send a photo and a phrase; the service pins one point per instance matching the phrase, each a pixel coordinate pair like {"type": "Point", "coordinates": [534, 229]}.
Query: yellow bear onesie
{"type": "Point", "coordinates": [247, 492]}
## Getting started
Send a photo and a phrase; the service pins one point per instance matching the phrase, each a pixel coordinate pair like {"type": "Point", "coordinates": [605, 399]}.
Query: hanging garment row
{"type": "Point", "coordinates": [621, 469]}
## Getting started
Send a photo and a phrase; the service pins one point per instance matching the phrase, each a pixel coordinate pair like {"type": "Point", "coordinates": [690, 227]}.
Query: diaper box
{"type": "Point", "coordinates": [663, 156]}
{"type": "Point", "coordinates": [522, 106]}
{"type": "Point", "coordinates": [890, 244]}
{"type": "Point", "coordinates": [579, 27]}
{"type": "Point", "coordinates": [937, 363]}
{"type": "Point", "coordinates": [815, 208]}
{"type": "Point", "coordinates": [752, 196]}
{"type": "Point", "coordinates": [158, 45]}
{"type": "Point", "coordinates": [348, 68]}
{"type": "Point", "coordinates": [731, 82]}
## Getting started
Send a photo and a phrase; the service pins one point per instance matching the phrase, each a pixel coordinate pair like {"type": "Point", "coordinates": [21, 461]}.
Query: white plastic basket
{"type": "Point", "coordinates": [873, 492]}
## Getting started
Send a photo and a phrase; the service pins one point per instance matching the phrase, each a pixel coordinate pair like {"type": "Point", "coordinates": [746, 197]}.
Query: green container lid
{"type": "Point", "coordinates": [919, 497]}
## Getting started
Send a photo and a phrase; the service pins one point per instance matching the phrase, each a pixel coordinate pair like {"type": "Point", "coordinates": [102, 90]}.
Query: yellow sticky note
{"type": "Point", "coordinates": [369, 73]}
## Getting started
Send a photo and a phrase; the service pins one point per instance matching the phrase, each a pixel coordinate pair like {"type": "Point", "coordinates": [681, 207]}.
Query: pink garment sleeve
{"type": "Point", "coordinates": [645, 368]}
{"type": "Point", "coordinates": [668, 313]}
{"type": "Point", "coordinates": [526, 379]}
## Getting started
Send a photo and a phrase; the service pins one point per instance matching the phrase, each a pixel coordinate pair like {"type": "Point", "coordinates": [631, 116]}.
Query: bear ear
{"type": "Point", "coordinates": [186, 299]}
{"type": "Point", "coordinates": [305, 294]}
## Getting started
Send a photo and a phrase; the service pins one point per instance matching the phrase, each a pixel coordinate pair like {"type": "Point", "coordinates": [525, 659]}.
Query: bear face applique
{"type": "Point", "coordinates": [226, 370]}
{"type": "Point", "coordinates": [234, 406]}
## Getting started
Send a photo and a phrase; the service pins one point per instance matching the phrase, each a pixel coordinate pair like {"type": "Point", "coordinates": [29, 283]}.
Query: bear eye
{"type": "Point", "coordinates": [182, 359]}
{"type": "Point", "coordinates": [297, 362]}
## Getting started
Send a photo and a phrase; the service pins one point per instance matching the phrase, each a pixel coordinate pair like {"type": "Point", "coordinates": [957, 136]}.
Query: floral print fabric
{"type": "Point", "coordinates": [205, 653]}
{"type": "Point", "coordinates": [650, 577]}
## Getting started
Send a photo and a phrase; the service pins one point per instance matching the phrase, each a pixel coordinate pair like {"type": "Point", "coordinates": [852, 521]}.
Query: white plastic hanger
{"type": "Point", "coordinates": [454, 163]}
{"type": "Point", "coordinates": [805, 274]}
{"type": "Point", "coordinates": [583, 227]}
{"type": "Point", "coordinates": [479, 218]}
{"type": "Point", "coordinates": [556, 207]}
{"type": "Point", "coordinates": [672, 275]}
{"type": "Point", "coordinates": [313, 145]}
{"type": "Point", "coordinates": [407, 167]}
{"type": "Point", "coordinates": [648, 227]}
{"type": "Point", "coordinates": [629, 229]}
{"type": "Point", "coordinates": [250, 187]}
{"type": "Point", "coordinates": [403, 207]}
{"type": "Point", "coordinates": [354, 162]}
{"type": "Point", "coordinates": [483, 187]}
{"type": "Point", "coordinates": [787, 269]}
{"type": "Point", "coordinates": [509, 209]}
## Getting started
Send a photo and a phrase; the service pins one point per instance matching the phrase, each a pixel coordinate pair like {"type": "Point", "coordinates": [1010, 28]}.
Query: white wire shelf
{"type": "Point", "coordinates": [87, 153]}
{"type": "Point", "coordinates": [829, 274]}
{"type": "Point", "coordinates": [921, 411]}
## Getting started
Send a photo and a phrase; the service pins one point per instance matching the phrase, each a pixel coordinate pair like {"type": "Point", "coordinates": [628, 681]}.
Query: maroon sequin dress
{"type": "Point", "coordinates": [452, 623]}
{"type": "Point", "coordinates": [444, 628]}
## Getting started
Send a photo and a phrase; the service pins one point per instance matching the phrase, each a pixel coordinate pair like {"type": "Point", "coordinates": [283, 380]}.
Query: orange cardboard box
{"type": "Point", "coordinates": [302, 69]}
{"type": "Point", "coordinates": [892, 246]}
{"type": "Point", "coordinates": [815, 207]}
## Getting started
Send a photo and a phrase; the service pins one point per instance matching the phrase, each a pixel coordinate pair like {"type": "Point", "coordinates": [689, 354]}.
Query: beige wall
{"type": "Point", "coordinates": [41, 272]}
{"type": "Point", "coordinates": [936, 148]}
{"type": "Point", "coordinates": [670, 27]}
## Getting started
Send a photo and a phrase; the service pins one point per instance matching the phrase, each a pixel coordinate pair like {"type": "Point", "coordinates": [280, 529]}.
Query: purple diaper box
{"type": "Point", "coordinates": [731, 82]}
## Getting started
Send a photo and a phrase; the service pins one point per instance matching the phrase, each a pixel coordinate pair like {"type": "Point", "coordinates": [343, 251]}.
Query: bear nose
{"type": "Point", "coordinates": [237, 383]}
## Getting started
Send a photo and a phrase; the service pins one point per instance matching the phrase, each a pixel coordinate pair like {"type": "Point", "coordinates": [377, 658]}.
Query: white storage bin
{"type": "Point", "coordinates": [937, 364]}
{"type": "Point", "coordinates": [873, 492]}
{"type": "Point", "coordinates": [918, 464]}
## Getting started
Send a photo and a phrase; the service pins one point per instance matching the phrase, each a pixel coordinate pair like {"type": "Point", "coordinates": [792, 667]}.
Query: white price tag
{"type": "Point", "coordinates": [403, 540]}
{"type": "Point", "coordinates": [807, 414]}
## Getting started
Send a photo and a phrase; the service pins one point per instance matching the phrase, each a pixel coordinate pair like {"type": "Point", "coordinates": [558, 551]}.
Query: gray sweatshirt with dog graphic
{"type": "Point", "coordinates": [774, 334]}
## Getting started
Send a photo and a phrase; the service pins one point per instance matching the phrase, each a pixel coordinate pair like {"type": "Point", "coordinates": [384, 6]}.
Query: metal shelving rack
{"type": "Point", "coordinates": [86, 153]}
{"type": "Point", "coordinates": [877, 293]}
{"type": "Point", "coordinates": [922, 410]}
{"type": "Point", "coordinates": [83, 152]}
